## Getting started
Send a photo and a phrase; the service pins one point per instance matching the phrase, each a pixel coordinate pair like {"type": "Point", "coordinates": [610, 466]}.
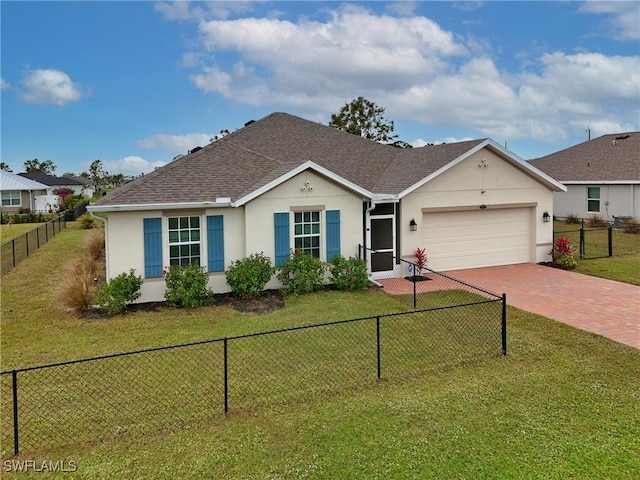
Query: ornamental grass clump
{"type": "Point", "coordinates": [119, 291]}
{"type": "Point", "coordinates": [77, 284]}
{"type": "Point", "coordinates": [301, 273]}
{"type": "Point", "coordinates": [247, 277]}
{"type": "Point", "coordinates": [349, 274]}
{"type": "Point", "coordinates": [187, 286]}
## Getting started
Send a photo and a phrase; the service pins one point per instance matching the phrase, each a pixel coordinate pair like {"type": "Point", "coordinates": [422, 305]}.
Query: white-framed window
{"type": "Point", "coordinates": [184, 240]}
{"type": "Point", "coordinates": [593, 199]}
{"type": "Point", "coordinates": [11, 199]}
{"type": "Point", "coordinates": [306, 232]}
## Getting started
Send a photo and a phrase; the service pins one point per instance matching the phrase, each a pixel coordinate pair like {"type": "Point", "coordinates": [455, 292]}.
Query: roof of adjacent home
{"type": "Point", "coordinates": [51, 180]}
{"type": "Point", "coordinates": [256, 157]}
{"type": "Point", "coordinates": [610, 158]}
{"type": "Point", "coordinates": [10, 181]}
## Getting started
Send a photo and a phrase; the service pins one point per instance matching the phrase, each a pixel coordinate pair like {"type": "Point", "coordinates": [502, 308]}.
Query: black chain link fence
{"type": "Point", "coordinates": [109, 397]}
{"type": "Point", "coordinates": [17, 249]}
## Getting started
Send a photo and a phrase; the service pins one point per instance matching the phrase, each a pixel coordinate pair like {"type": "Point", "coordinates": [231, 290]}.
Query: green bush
{"type": "Point", "coordinates": [349, 274]}
{"type": "Point", "coordinates": [187, 286]}
{"type": "Point", "coordinates": [247, 277]}
{"type": "Point", "coordinates": [119, 291]}
{"type": "Point", "coordinates": [301, 273]}
{"type": "Point", "coordinates": [567, 261]}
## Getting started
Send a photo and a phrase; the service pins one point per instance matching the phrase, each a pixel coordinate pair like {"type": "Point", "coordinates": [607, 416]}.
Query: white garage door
{"type": "Point", "coordinates": [477, 238]}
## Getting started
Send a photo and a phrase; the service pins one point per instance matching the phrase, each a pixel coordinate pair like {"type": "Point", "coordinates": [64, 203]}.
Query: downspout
{"type": "Point", "coordinates": [106, 239]}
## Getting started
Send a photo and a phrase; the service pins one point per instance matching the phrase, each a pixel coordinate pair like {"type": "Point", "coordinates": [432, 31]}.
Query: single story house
{"type": "Point", "coordinates": [21, 194]}
{"type": "Point", "coordinates": [284, 183]}
{"type": "Point", "coordinates": [77, 185]}
{"type": "Point", "coordinates": [602, 177]}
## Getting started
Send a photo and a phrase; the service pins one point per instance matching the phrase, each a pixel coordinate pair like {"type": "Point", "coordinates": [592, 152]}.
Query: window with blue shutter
{"type": "Point", "coordinates": [282, 243]}
{"type": "Point", "coordinates": [215, 243]}
{"type": "Point", "coordinates": [152, 230]}
{"type": "Point", "coordinates": [333, 234]}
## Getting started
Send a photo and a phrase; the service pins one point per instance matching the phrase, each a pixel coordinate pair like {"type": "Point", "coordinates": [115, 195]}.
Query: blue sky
{"type": "Point", "coordinates": [136, 83]}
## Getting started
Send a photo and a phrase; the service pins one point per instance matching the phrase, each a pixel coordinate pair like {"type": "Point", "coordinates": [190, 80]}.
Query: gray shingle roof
{"type": "Point", "coordinates": [614, 157]}
{"type": "Point", "coordinates": [263, 151]}
{"type": "Point", "coordinates": [50, 180]}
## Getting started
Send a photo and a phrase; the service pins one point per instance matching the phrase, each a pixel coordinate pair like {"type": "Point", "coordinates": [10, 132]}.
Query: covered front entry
{"type": "Point", "coordinates": [381, 238]}
{"type": "Point", "coordinates": [478, 238]}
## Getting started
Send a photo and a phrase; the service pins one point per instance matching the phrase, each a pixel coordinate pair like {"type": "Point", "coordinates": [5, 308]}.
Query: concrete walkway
{"type": "Point", "coordinates": [605, 307]}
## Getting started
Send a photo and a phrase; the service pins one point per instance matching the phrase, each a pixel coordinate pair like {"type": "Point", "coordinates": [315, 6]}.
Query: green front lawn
{"type": "Point", "coordinates": [562, 404]}
{"type": "Point", "coordinates": [7, 232]}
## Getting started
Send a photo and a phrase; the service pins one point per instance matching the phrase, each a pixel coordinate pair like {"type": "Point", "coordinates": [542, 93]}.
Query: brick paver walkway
{"type": "Point", "coordinates": [605, 307]}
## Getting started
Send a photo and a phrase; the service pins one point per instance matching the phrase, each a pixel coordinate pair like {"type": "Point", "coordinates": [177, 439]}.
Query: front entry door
{"type": "Point", "coordinates": [382, 240]}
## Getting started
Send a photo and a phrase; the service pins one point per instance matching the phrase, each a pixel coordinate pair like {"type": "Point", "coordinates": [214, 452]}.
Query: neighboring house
{"type": "Point", "coordinates": [284, 183]}
{"type": "Point", "coordinates": [86, 185]}
{"type": "Point", "coordinates": [54, 183]}
{"type": "Point", "coordinates": [602, 177]}
{"type": "Point", "coordinates": [21, 194]}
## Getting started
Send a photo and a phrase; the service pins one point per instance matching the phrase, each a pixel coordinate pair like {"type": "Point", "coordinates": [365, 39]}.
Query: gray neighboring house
{"type": "Point", "coordinates": [19, 193]}
{"type": "Point", "coordinates": [53, 183]}
{"type": "Point", "coordinates": [602, 177]}
{"type": "Point", "coordinates": [284, 183]}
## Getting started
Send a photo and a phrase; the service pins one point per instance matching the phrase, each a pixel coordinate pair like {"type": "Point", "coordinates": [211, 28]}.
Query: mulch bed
{"type": "Point", "coordinates": [268, 301]}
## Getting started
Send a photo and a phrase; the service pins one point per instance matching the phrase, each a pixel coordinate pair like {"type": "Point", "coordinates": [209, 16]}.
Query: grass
{"type": "Point", "coordinates": [624, 266]}
{"type": "Point", "coordinates": [7, 232]}
{"type": "Point", "coordinates": [562, 404]}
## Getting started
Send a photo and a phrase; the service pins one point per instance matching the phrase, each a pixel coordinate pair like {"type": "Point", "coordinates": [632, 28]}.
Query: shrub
{"type": "Point", "coordinates": [247, 277]}
{"type": "Point", "coordinates": [572, 219]}
{"type": "Point", "coordinates": [596, 221]}
{"type": "Point", "coordinates": [349, 274]}
{"type": "Point", "coordinates": [421, 260]}
{"type": "Point", "coordinates": [631, 225]}
{"type": "Point", "coordinates": [301, 273]}
{"type": "Point", "coordinates": [120, 290]}
{"type": "Point", "coordinates": [562, 253]}
{"type": "Point", "coordinates": [87, 222]}
{"type": "Point", "coordinates": [187, 286]}
{"type": "Point", "coordinates": [77, 286]}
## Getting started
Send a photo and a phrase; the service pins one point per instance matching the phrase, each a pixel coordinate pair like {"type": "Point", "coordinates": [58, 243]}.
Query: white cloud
{"type": "Point", "coordinates": [175, 143]}
{"type": "Point", "coordinates": [50, 87]}
{"type": "Point", "coordinates": [131, 165]}
{"type": "Point", "coordinates": [416, 70]}
{"type": "Point", "coordinates": [623, 17]}
{"type": "Point", "coordinates": [183, 10]}
{"type": "Point", "coordinates": [3, 84]}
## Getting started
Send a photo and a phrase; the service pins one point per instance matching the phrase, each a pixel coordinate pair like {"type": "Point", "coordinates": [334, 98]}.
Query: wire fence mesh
{"type": "Point", "coordinates": [17, 249]}
{"type": "Point", "coordinates": [446, 323]}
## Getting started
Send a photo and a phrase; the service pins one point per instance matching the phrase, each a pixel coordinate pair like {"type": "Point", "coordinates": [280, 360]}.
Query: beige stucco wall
{"type": "Point", "coordinates": [320, 193]}
{"type": "Point", "coordinates": [461, 187]}
{"type": "Point", "coordinates": [615, 201]}
{"type": "Point", "coordinates": [247, 229]}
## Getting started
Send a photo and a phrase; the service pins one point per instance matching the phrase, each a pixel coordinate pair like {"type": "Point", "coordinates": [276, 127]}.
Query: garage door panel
{"type": "Point", "coordinates": [470, 239]}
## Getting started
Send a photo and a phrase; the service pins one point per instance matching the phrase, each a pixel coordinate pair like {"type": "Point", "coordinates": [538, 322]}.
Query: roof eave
{"type": "Point", "coordinates": [157, 206]}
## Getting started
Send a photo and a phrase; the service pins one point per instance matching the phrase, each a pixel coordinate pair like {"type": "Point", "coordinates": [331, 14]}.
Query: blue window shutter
{"type": "Point", "coordinates": [333, 234]}
{"type": "Point", "coordinates": [283, 250]}
{"type": "Point", "coordinates": [152, 230]}
{"type": "Point", "coordinates": [215, 243]}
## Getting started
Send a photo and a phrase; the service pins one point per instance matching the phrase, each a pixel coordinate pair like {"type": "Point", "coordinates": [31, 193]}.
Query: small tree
{"type": "Point", "coordinates": [364, 118]}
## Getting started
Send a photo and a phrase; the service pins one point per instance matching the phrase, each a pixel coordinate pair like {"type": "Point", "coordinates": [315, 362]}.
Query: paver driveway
{"type": "Point", "coordinates": [605, 307]}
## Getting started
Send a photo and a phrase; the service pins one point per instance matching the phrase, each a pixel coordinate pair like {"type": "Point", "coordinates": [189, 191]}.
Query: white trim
{"type": "Point", "coordinates": [157, 206]}
{"type": "Point", "coordinates": [511, 157]}
{"type": "Point", "coordinates": [600, 182]}
{"type": "Point", "coordinates": [309, 165]}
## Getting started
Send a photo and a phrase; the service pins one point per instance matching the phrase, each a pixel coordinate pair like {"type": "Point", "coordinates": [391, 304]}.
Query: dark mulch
{"type": "Point", "coordinates": [417, 278]}
{"type": "Point", "coordinates": [268, 301]}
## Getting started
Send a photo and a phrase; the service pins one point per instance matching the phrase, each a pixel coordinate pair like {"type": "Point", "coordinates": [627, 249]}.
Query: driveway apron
{"type": "Point", "coordinates": [605, 307]}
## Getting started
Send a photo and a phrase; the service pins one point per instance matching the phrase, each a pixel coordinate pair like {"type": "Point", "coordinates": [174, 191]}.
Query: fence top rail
{"type": "Point", "coordinates": [453, 279]}
{"type": "Point", "coordinates": [236, 337]}
{"type": "Point", "coordinates": [57, 219]}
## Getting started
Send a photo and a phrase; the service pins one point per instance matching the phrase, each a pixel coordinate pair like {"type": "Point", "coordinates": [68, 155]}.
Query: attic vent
{"type": "Point", "coordinates": [249, 123]}
{"type": "Point", "coordinates": [195, 149]}
{"type": "Point", "coordinates": [622, 137]}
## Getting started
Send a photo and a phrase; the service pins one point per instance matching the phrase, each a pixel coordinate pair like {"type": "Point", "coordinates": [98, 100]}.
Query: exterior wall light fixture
{"type": "Point", "coordinates": [413, 226]}
{"type": "Point", "coordinates": [546, 217]}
